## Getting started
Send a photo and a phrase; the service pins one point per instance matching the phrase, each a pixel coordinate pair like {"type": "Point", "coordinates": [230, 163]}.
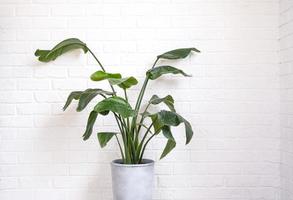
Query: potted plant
{"type": "Point", "coordinates": [132, 175]}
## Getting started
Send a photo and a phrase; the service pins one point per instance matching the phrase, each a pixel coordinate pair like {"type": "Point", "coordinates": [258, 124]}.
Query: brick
{"type": "Point", "coordinates": [32, 11]}
{"type": "Point", "coordinates": [239, 99]}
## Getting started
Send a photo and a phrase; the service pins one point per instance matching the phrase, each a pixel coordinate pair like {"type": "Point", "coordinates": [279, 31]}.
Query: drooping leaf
{"type": "Point", "coordinates": [166, 130]}
{"type": "Point", "coordinates": [168, 100]}
{"type": "Point", "coordinates": [169, 118]}
{"type": "Point", "coordinates": [171, 143]}
{"type": "Point", "coordinates": [105, 137]}
{"type": "Point", "coordinates": [159, 71]}
{"type": "Point", "coordinates": [59, 49]}
{"type": "Point", "coordinates": [101, 75]}
{"type": "Point", "coordinates": [84, 97]}
{"type": "Point", "coordinates": [168, 148]}
{"type": "Point", "coordinates": [178, 53]}
{"type": "Point", "coordinates": [73, 95]}
{"type": "Point", "coordinates": [88, 95]}
{"type": "Point", "coordinates": [90, 123]}
{"type": "Point", "coordinates": [117, 105]}
{"type": "Point", "coordinates": [124, 83]}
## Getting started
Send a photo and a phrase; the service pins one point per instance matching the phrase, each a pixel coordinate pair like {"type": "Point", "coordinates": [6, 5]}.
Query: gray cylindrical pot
{"type": "Point", "coordinates": [132, 182]}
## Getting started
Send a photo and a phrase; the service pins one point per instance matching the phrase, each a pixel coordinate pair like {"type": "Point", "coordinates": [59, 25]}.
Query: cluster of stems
{"type": "Point", "coordinates": [133, 148]}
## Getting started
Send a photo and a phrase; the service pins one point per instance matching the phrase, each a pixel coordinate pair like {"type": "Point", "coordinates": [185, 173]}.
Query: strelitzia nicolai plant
{"type": "Point", "coordinates": [134, 134]}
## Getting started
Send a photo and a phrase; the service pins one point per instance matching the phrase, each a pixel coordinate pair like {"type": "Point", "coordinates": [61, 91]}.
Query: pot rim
{"type": "Point", "coordinates": [147, 162]}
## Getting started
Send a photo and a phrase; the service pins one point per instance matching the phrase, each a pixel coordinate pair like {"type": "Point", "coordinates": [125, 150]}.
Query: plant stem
{"type": "Point", "coordinates": [121, 151]}
{"type": "Point", "coordinates": [100, 64]}
{"type": "Point", "coordinates": [142, 118]}
{"type": "Point", "coordinates": [117, 118]}
{"type": "Point", "coordinates": [138, 102]}
{"type": "Point", "coordinates": [145, 145]}
{"type": "Point", "coordinates": [155, 62]}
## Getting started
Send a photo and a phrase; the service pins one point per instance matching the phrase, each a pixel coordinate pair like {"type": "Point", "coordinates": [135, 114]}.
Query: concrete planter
{"type": "Point", "coordinates": [132, 182]}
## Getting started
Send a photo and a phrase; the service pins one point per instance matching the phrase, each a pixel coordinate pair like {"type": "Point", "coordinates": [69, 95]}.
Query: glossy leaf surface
{"type": "Point", "coordinates": [88, 95]}
{"type": "Point", "coordinates": [124, 83]}
{"type": "Point", "coordinates": [178, 53]}
{"type": "Point", "coordinates": [90, 123]}
{"type": "Point", "coordinates": [84, 97]}
{"type": "Point", "coordinates": [168, 100]}
{"type": "Point", "coordinates": [101, 75]}
{"type": "Point", "coordinates": [105, 137]}
{"type": "Point", "coordinates": [169, 118]}
{"type": "Point", "coordinates": [73, 95]}
{"type": "Point", "coordinates": [117, 105]}
{"type": "Point", "coordinates": [61, 48]}
{"type": "Point", "coordinates": [159, 71]}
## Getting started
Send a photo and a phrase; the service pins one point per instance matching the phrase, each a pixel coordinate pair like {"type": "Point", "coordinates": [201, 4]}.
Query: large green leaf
{"type": "Point", "coordinates": [124, 83]}
{"type": "Point", "coordinates": [171, 143]}
{"type": "Point", "coordinates": [84, 97]}
{"type": "Point", "coordinates": [90, 123]}
{"type": "Point", "coordinates": [88, 95]}
{"type": "Point", "coordinates": [169, 118]}
{"type": "Point", "coordinates": [105, 137]}
{"type": "Point", "coordinates": [117, 105]}
{"type": "Point", "coordinates": [101, 75]}
{"type": "Point", "coordinates": [73, 95]}
{"type": "Point", "coordinates": [168, 148]}
{"type": "Point", "coordinates": [156, 72]}
{"type": "Point", "coordinates": [168, 100]}
{"type": "Point", "coordinates": [178, 53]}
{"type": "Point", "coordinates": [59, 49]}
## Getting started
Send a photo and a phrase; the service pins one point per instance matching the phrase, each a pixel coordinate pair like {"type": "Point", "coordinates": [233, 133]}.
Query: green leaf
{"type": "Point", "coordinates": [90, 123]}
{"type": "Point", "coordinates": [169, 118]}
{"type": "Point", "coordinates": [177, 53]}
{"type": "Point", "coordinates": [168, 148]}
{"type": "Point", "coordinates": [59, 49]}
{"type": "Point", "coordinates": [124, 83]}
{"type": "Point", "coordinates": [101, 75]}
{"type": "Point", "coordinates": [117, 105]}
{"type": "Point", "coordinates": [156, 72]}
{"type": "Point", "coordinates": [88, 95]}
{"type": "Point", "coordinates": [171, 143]}
{"type": "Point", "coordinates": [168, 100]}
{"type": "Point", "coordinates": [167, 132]}
{"type": "Point", "coordinates": [105, 137]}
{"type": "Point", "coordinates": [84, 97]}
{"type": "Point", "coordinates": [73, 95]}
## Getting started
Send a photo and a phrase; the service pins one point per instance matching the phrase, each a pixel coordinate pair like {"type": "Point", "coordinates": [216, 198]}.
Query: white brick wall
{"type": "Point", "coordinates": [232, 99]}
{"type": "Point", "coordinates": [286, 74]}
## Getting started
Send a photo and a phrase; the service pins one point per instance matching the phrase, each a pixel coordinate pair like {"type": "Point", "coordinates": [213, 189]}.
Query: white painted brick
{"type": "Point", "coordinates": [15, 97]}
{"type": "Point", "coordinates": [35, 182]}
{"type": "Point", "coordinates": [13, 195]}
{"type": "Point", "coordinates": [65, 10]}
{"type": "Point", "coordinates": [8, 158]}
{"type": "Point", "coordinates": [71, 182]}
{"type": "Point", "coordinates": [232, 100]}
{"type": "Point", "coordinates": [49, 23]}
{"type": "Point", "coordinates": [103, 10]}
{"type": "Point", "coordinates": [7, 110]}
{"type": "Point", "coordinates": [32, 11]}
{"type": "Point", "coordinates": [206, 181]}
{"type": "Point", "coordinates": [84, 22]}
{"type": "Point", "coordinates": [30, 109]}
{"type": "Point", "coordinates": [8, 183]}
{"type": "Point", "coordinates": [48, 194]}
{"type": "Point", "coordinates": [33, 35]}
{"type": "Point", "coordinates": [6, 11]}
{"type": "Point", "coordinates": [24, 84]}
{"type": "Point", "coordinates": [15, 22]}
{"type": "Point", "coordinates": [286, 40]}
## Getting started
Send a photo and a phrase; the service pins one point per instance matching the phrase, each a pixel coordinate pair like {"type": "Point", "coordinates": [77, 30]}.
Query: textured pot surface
{"type": "Point", "coordinates": [132, 182]}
